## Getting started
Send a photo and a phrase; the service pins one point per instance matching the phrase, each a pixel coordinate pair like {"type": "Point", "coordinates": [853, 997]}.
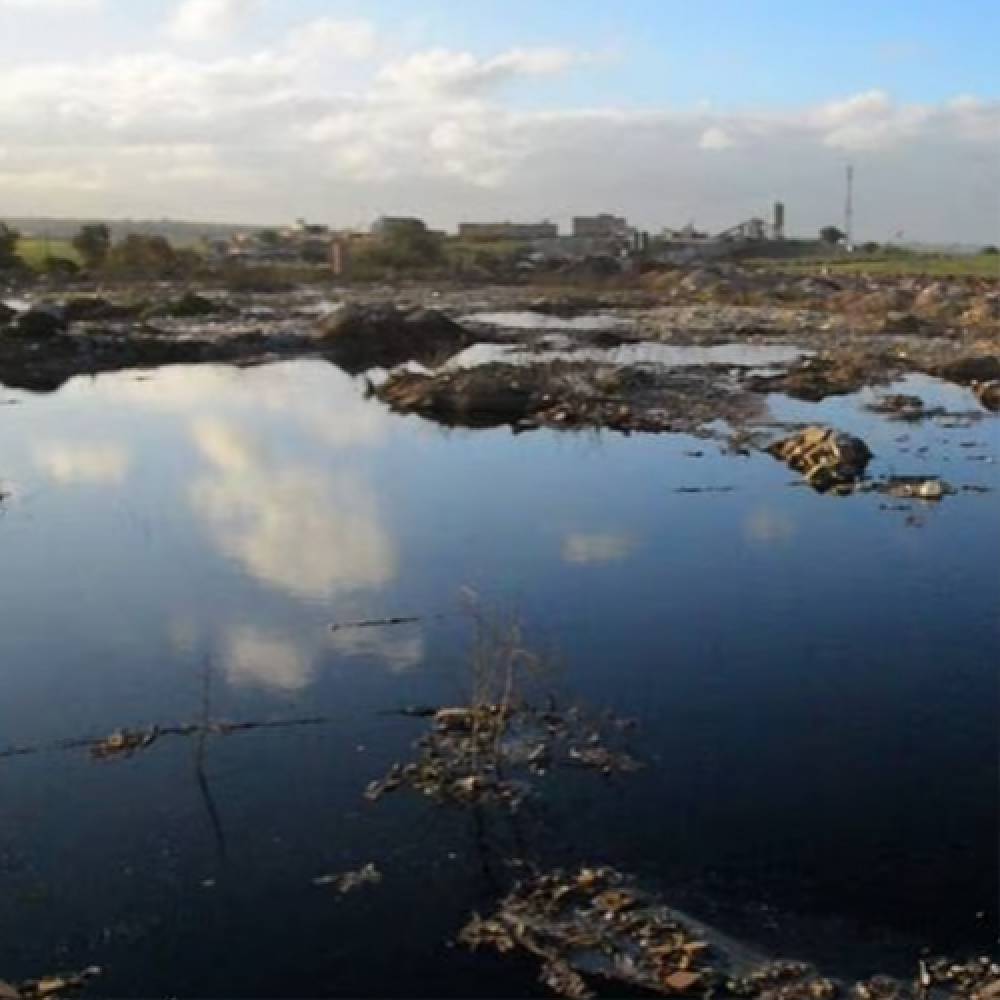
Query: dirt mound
{"type": "Point", "coordinates": [972, 368]}
{"type": "Point", "coordinates": [382, 336]}
{"type": "Point", "coordinates": [566, 394]}
{"type": "Point", "coordinates": [816, 378]}
{"type": "Point", "coordinates": [189, 306]}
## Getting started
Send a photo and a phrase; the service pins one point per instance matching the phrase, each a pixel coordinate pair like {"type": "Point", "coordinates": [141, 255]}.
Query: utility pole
{"type": "Point", "coordinates": [849, 208]}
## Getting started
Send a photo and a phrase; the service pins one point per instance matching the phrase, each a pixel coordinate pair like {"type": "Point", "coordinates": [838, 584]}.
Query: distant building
{"type": "Point", "coordinates": [498, 232]}
{"type": "Point", "coordinates": [604, 226]}
{"type": "Point", "coordinates": [386, 225]}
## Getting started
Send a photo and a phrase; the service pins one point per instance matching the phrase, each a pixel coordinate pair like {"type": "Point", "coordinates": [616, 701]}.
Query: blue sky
{"type": "Point", "coordinates": [667, 110]}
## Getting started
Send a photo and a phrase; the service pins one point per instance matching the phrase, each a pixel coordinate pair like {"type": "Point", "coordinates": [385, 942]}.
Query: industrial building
{"type": "Point", "coordinates": [498, 232]}
{"type": "Point", "coordinates": [601, 227]}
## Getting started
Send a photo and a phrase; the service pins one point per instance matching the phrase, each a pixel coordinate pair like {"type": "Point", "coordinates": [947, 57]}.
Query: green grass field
{"type": "Point", "coordinates": [901, 265]}
{"type": "Point", "coordinates": [33, 251]}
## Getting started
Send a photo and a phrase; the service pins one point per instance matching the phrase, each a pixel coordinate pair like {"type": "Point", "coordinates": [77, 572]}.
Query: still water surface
{"type": "Point", "coordinates": [815, 680]}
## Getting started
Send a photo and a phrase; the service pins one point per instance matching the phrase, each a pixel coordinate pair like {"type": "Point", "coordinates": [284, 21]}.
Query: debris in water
{"type": "Point", "coordinates": [486, 753]}
{"type": "Point", "coordinates": [349, 881]}
{"type": "Point", "coordinates": [124, 743]}
{"type": "Point", "coordinates": [376, 623]}
{"type": "Point", "coordinates": [48, 987]}
{"type": "Point", "coordinates": [595, 923]}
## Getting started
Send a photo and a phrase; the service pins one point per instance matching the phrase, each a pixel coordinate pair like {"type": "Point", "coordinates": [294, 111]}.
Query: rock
{"type": "Point", "coordinates": [984, 311]}
{"type": "Point", "coordinates": [363, 337]}
{"type": "Point", "coordinates": [94, 307]}
{"type": "Point", "coordinates": [40, 323]}
{"type": "Point", "coordinates": [826, 457]}
{"type": "Point", "coordinates": [972, 368]}
{"type": "Point", "coordinates": [988, 393]}
{"type": "Point", "coordinates": [902, 322]}
{"type": "Point", "coordinates": [814, 379]}
{"type": "Point", "coordinates": [487, 395]}
{"type": "Point", "coordinates": [189, 306]}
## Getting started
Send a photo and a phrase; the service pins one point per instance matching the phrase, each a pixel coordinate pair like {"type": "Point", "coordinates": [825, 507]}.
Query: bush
{"type": "Point", "coordinates": [151, 256]}
{"type": "Point", "coordinates": [9, 238]}
{"type": "Point", "coordinates": [93, 244]}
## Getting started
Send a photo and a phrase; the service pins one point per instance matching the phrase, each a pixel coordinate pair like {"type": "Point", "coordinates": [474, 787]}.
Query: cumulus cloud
{"type": "Point", "coordinates": [319, 124]}
{"type": "Point", "coordinates": [203, 20]}
{"type": "Point", "coordinates": [715, 138]}
{"type": "Point", "coordinates": [354, 38]}
{"type": "Point", "coordinates": [71, 463]}
{"type": "Point", "coordinates": [443, 71]}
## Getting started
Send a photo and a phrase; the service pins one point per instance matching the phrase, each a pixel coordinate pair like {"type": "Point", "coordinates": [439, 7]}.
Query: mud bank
{"type": "Point", "coordinates": [856, 331]}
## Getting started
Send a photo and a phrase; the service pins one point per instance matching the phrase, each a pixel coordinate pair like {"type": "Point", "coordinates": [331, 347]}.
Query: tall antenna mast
{"type": "Point", "coordinates": [849, 207]}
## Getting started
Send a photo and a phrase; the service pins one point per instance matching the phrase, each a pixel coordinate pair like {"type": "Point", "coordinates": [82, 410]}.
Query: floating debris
{"type": "Point", "coordinates": [705, 489]}
{"type": "Point", "coordinates": [595, 923]}
{"type": "Point", "coordinates": [349, 881]}
{"type": "Point", "coordinates": [124, 743]}
{"type": "Point", "coordinates": [376, 623]}
{"type": "Point", "coordinates": [931, 490]}
{"type": "Point", "coordinates": [487, 753]}
{"type": "Point", "coordinates": [48, 987]}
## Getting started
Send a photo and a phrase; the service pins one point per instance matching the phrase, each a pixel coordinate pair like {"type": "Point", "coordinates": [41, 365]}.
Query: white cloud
{"type": "Point", "coordinates": [443, 71]}
{"type": "Point", "coordinates": [92, 464]}
{"type": "Point", "coordinates": [353, 38]}
{"type": "Point", "coordinates": [715, 138]}
{"type": "Point", "coordinates": [50, 5]}
{"type": "Point", "coordinates": [319, 125]}
{"type": "Point", "coordinates": [204, 20]}
{"type": "Point", "coordinates": [603, 547]}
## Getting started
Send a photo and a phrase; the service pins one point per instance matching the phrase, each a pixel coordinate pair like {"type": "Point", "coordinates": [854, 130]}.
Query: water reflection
{"type": "Point", "coordinates": [769, 526]}
{"type": "Point", "coordinates": [398, 653]}
{"type": "Point", "coordinates": [290, 526]}
{"type": "Point", "coordinates": [581, 549]}
{"type": "Point", "coordinates": [69, 463]}
{"type": "Point", "coordinates": [255, 657]}
{"type": "Point", "coordinates": [299, 393]}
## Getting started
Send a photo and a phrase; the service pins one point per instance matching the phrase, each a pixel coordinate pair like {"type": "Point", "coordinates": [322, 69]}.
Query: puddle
{"type": "Point", "coordinates": [754, 356]}
{"type": "Point", "coordinates": [527, 320]}
{"type": "Point", "coordinates": [806, 672]}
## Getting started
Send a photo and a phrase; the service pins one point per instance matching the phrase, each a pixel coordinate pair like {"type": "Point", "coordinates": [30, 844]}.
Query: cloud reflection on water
{"type": "Point", "coordinates": [311, 534]}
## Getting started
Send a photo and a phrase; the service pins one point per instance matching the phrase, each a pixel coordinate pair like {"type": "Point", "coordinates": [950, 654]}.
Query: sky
{"type": "Point", "coordinates": [667, 111]}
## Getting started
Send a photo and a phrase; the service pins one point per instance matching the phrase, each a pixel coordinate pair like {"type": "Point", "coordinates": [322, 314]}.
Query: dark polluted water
{"type": "Point", "coordinates": [814, 680]}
